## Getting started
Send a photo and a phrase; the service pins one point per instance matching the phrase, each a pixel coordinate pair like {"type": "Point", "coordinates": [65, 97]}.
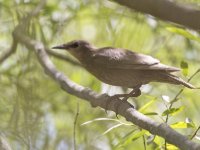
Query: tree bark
{"type": "Point", "coordinates": [167, 11]}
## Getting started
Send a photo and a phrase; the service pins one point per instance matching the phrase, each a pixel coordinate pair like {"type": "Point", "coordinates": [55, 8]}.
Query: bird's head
{"type": "Point", "coordinates": [78, 48]}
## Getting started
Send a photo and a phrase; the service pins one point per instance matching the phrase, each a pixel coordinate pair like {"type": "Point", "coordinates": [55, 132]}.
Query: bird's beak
{"type": "Point", "coordinates": [63, 46]}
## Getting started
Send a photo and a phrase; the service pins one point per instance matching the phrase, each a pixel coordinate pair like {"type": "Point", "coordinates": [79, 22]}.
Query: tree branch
{"type": "Point", "coordinates": [63, 57]}
{"type": "Point", "coordinates": [123, 108]}
{"type": "Point", "coordinates": [13, 47]}
{"type": "Point", "coordinates": [37, 9]}
{"type": "Point", "coordinates": [166, 10]}
{"type": "Point", "coordinates": [75, 124]}
{"type": "Point", "coordinates": [9, 52]}
{"type": "Point", "coordinates": [4, 144]}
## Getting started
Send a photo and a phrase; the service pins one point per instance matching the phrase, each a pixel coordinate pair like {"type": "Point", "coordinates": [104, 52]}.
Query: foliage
{"type": "Point", "coordinates": [37, 114]}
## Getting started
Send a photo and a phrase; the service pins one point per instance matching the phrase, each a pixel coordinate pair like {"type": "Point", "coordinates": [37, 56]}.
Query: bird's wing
{"type": "Point", "coordinates": [125, 59]}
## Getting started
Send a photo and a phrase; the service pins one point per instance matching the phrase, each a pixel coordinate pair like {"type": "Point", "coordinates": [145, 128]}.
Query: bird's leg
{"type": "Point", "coordinates": [134, 93]}
{"type": "Point", "coordinates": [114, 97]}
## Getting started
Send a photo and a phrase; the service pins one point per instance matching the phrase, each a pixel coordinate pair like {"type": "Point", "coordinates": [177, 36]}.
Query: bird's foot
{"type": "Point", "coordinates": [122, 98]}
{"type": "Point", "coordinates": [133, 93]}
{"type": "Point", "coordinates": [115, 98]}
{"type": "Point", "coordinates": [119, 100]}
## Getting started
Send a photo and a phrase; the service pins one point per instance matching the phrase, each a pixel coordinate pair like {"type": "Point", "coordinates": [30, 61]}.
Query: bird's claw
{"type": "Point", "coordinates": [137, 93]}
{"type": "Point", "coordinates": [114, 97]}
{"type": "Point", "coordinates": [133, 93]}
{"type": "Point", "coordinates": [117, 104]}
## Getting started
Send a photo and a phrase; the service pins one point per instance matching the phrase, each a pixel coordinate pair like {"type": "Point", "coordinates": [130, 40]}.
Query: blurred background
{"type": "Point", "coordinates": [36, 114]}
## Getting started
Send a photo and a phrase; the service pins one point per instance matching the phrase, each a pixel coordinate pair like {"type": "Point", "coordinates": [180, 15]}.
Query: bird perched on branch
{"type": "Point", "coordinates": [122, 67]}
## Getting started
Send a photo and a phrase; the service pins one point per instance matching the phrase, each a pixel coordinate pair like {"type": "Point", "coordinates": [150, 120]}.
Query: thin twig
{"type": "Point", "coordinates": [95, 99]}
{"type": "Point", "coordinates": [63, 57]}
{"type": "Point", "coordinates": [195, 133]}
{"type": "Point", "coordinates": [180, 92]}
{"type": "Point", "coordinates": [37, 10]}
{"type": "Point", "coordinates": [4, 145]}
{"type": "Point", "coordinates": [75, 123]}
{"type": "Point", "coordinates": [101, 100]}
{"type": "Point", "coordinates": [144, 142]}
{"type": "Point", "coordinates": [9, 52]}
{"type": "Point", "coordinates": [13, 47]}
{"type": "Point", "coordinates": [176, 98]}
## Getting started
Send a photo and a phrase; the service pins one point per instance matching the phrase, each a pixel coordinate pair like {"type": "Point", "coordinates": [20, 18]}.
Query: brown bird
{"type": "Point", "coordinates": [122, 67]}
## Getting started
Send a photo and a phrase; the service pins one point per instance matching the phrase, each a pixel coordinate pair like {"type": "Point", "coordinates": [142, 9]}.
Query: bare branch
{"type": "Point", "coordinates": [4, 144]}
{"type": "Point", "coordinates": [166, 10]}
{"type": "Point", "coordinates": [63, 57]}
{"type": "Point", "coordinates": [124, 108]}
{"type": "Point", "coordinates": [13, 47]}
{"type": "Point", "coordinates": [37, 10]}
{"type": "Point", "coordinates": [75, 124]}
{"type": "Point", "coordinates": [195, 133]}
{"type": "Point", "coordinates": [179, 93]}
{"type": "Point", "coordinates": [8, 52]}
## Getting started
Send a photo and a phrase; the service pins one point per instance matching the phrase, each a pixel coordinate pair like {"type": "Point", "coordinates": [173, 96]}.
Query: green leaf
{"type": "Point", "coordinates": [126, 139]}
{"type": "Point", "coordinates": [111, 128]}
{"type": "Point", "coordinates": [172, 111]}
{"type": "Point", "coordinates": [190, 122]}
{"type": "Point", "coordinates": [157, 140]}
{"type": "Point", "coordinates": [171, 147]}
{"type": "Point", "coordinates": [184, 67]}
{"type": "Point", "coordinates": [138, 135]}
{"type": "Point", "coordinates": [150, 139]}
{"type": "Point", "coordinates": [143, 108]}
{"type": "Point", "coordinates": [103, 119]}
{"type": "Point", "coordinates": [179, 125]}
{"type": "Point", "coordinates": [184, 33]}
{"type": "Point", "coordinates": [131, 137]}
{"type": "Point", "coordinates": [191, 125]}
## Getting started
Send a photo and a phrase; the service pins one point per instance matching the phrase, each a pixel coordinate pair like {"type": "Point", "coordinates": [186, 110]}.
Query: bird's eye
{"type": "Point", "coordinates": [75, 45]}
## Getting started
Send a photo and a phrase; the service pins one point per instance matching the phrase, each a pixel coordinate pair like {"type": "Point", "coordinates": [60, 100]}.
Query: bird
{"type": "Point", "coordinates": [122, 67]}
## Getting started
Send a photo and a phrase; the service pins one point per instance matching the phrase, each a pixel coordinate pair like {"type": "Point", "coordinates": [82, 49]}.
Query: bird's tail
{"type": "Point", "coordinates": [176, 80]}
